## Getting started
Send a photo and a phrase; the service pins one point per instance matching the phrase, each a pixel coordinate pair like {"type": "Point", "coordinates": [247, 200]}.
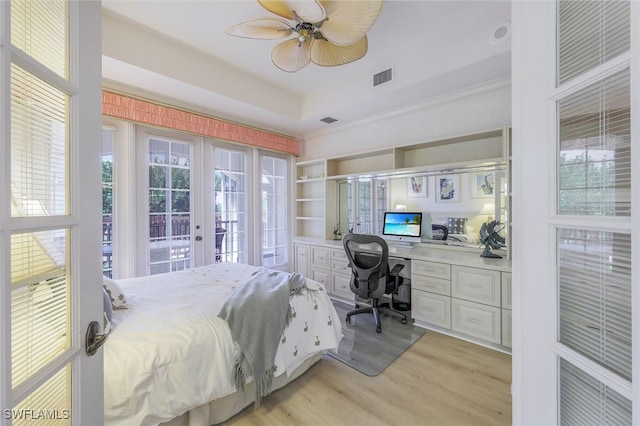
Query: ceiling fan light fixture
{"type": "Point", "coordinates": [328, 33]}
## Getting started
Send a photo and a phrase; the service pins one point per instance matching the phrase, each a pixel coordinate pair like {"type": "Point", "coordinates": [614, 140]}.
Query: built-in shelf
{"type": "Point", "coordinates": [317, 180]}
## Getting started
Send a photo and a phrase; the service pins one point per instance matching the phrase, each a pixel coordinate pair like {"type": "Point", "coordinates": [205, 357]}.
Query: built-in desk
{"type": "Point", "coordinates": [455, 292]}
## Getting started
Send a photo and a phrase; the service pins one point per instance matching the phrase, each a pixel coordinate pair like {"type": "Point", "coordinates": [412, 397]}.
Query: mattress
{"type": "Point", "coordinates": [169, 352]}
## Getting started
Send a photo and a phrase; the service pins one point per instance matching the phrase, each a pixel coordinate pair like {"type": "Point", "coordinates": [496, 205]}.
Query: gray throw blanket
{"type": "Point", "coordinates": [257, 312]}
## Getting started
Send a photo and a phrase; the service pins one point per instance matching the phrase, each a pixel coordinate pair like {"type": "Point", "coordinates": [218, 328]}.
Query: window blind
{"type": "Point", "coordinates": [40, 29]}
{"type": "Point", "coordinates": [594, 282]}
{"type": "Point", "coordinates": [594, 173]}
{"type": "Point", "coordinates": [39, 135]}
{"type": "Point", "coordinates": [585, 401]}
{"type": "Point", "coordinates": [40, 322]}
{"type": "Point", "coordinates": [589, 34]}
{"type": "Point", "coordinates": [55, 395]}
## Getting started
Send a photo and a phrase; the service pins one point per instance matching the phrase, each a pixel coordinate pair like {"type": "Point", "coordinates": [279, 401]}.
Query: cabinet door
{"type": "Point", "coordinates": [476, 285]}
{"type": "Point", "coordinates": [476, 320]}
{"type": "Point", "coordinates": [431, 308]}
{"type": "Point", "coordinates": [506, 290]}
{"type": "Point", "coordinates": [302, 259]}
{"type": "Point", "coordinates": [506, 328]}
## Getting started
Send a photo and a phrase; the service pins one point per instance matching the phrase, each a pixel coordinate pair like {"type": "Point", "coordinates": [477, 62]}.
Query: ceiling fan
{"type": "Point", "coordinates": [327, 33]}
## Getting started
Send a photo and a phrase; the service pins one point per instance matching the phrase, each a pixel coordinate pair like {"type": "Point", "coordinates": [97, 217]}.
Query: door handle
{"type": "Point", "coordinates": [93, 339]}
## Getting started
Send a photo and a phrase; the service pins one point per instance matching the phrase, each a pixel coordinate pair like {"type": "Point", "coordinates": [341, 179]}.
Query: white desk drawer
{"type": "Point", "coordinates": [476, 285]}
{"type": "Point", "coordinates": [431, 308]}
{"type": "Point", "coordinates": [320, 257]}
{"type": "Point", "coordinates": [476, 320]}
{"type": "Point", "coordinates": [339, 254]}
{"type": "Point", "coordinates": [342, 286]}
{"type": "Point", "coordinates": [433, 285]}
{"type": "Point", "coordinates": [323, 276]}
{"type": "Point", "coordinates": [340, 266]}
{"type": "Point", "coordinates": [431, 269]}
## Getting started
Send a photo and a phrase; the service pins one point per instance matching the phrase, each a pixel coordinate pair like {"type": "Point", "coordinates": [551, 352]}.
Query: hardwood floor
{"type": "Point", "coordinates": [440, 380]}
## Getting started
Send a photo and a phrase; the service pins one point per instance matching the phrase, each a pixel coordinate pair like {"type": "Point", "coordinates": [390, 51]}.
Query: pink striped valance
{"type": "Point", "coordinates": [127, 108]}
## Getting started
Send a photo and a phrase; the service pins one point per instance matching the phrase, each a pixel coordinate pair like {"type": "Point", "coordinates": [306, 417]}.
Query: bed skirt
{"type": "Point", "coordinates": [220, 410]}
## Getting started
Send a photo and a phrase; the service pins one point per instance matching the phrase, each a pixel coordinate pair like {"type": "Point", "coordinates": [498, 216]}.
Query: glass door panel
{"type": "Point", "coordinates": [170, 216]}
{"type": "Point", "coordinates": [230, 197]}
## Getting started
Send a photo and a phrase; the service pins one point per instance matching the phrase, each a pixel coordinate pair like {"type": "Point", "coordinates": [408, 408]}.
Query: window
{"type": "Point", "coordinates": [170, 243]}
{"type": "Point", "coordinates": [230, 196]}
{"type": "Point", "coordinates": [108, 136]}
{"type": "Point", "coordinates": [366, 204]}
{"type": "Point", "coordinates": [275, 231]}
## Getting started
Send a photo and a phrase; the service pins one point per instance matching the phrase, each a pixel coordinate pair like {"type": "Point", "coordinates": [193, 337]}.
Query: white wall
{"type": "Point", "coordinates": [473, 110]}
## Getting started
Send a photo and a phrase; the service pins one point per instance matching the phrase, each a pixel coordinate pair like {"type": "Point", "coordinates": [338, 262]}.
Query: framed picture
{"type": "Point", "coordinates": [483, 184]}
{"type": "Point", "coordinates": [417, 186]}
{"type": "Point", "coordinates": [448, 188]}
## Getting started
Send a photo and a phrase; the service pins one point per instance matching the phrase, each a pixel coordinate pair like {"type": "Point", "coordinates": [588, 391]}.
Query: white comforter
{"type": "Point", "coordinates": [169, 352]}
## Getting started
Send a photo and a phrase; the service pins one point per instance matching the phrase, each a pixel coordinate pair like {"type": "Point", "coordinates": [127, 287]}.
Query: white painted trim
{"type": "Point", "coordinates": [434, 101]}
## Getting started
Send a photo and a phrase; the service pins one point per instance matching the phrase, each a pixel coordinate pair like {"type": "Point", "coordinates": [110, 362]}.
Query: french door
{"type": "Point", "coordinates": [50, 80]}
{"type": "Point", "coordinates": [575, 152]}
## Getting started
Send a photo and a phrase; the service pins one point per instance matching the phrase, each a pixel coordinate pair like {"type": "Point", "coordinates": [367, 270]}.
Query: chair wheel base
{"type": "Point", "coordinates": [403, 320]}
{"type": "Point", "coordinates": [378, 329]}
{"type": "Point", "coordinates": [348, 319]}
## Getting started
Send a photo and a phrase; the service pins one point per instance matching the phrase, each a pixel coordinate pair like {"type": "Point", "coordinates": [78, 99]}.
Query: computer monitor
{"type": "Point", "coordinates": [403, 227]}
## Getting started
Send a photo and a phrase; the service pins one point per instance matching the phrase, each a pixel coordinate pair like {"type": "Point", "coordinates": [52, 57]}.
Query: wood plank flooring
{"type": "Point", "coordinates": [440, 380]}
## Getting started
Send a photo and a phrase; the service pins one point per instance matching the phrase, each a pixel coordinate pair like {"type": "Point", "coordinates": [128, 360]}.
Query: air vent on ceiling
{"type": "Point", "coordinates": [328, 120]}
{"type": "Point", "coordinates": [382, 77]}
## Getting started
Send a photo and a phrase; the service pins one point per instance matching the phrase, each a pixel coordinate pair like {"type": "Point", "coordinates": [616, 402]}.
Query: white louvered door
{"type": "Point", "coordinates": [49, 216]}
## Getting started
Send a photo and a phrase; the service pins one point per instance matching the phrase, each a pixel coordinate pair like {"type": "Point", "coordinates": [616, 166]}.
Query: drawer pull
{"type": "Point", "coordinates": [475, 285]}
{"type": "Point", "coordinates": [429, 308]}
{"type": "Point", "coordinates": [474, 320]}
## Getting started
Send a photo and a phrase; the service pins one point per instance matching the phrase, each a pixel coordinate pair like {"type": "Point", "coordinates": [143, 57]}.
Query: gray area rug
{"type": "Point", "coordinates": [367, 351]}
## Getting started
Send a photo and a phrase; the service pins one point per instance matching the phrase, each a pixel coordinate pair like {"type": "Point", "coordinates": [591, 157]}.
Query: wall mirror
{"type": "Point", "coordinates": [462, 201]}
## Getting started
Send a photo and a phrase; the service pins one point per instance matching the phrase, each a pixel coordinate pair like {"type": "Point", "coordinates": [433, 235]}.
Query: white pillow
{"type": "Point", "coordinates": [118, 299]}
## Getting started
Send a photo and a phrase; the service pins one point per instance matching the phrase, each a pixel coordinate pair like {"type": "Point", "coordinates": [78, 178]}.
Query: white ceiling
{"type": "Point", "coordinates": [434, 48]}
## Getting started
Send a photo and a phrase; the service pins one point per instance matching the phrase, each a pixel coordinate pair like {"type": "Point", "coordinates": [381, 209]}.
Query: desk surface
{"type": "Point", "coordinates": [430, 252]}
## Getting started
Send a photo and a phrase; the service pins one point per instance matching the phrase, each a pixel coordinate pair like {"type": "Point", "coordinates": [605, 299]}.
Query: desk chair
{"type": "Point", "coordinates": [370, 275]}
{"type": "Point", "coordinates": [220, 232]}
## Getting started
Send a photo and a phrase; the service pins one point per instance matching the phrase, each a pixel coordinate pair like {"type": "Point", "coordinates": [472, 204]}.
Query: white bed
{"type": "Point", "coordinates": [169, 356]}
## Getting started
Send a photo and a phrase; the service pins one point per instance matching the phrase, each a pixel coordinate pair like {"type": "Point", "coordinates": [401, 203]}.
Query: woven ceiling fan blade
{"type": "Point", "coordinates": [349, 21]}
{"type": "Point", "coordinates": [327, 54]}
{"type": "Point", "coordinates": [307, 10]}
{"type": "Point", "coordinates": [261, 28]}
{"type": "Point", "coordinates": [290, 55]}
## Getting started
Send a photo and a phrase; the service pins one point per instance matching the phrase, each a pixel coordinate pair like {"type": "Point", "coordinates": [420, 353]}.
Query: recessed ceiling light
{"type": "Point", "coordinates": [500, 33]}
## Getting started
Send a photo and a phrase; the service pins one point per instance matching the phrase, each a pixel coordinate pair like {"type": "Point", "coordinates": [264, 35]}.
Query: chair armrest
{"type": "Point", "coordinates": [396, 270]}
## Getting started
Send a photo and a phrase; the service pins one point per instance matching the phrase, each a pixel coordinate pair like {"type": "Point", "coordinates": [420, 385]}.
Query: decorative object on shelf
{"type": "Point", "coordinates": [326, 33]}
{"type": "Point", "coordinates": [457, 225]}
{"type": "Point", "coordinates": [483, 184]}
{"type": "Point", "coordinates": [336, 233]}
{"type": "Point", "coordinates": [417, 186]}
{"type": "Point", "coordinates": [491, 238]}
{"type": "Point", "coordinates": [448, 188]}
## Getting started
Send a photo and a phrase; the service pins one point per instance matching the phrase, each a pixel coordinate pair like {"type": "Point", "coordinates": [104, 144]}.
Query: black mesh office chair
{"type": "Point", "coordinates": [370, 275]}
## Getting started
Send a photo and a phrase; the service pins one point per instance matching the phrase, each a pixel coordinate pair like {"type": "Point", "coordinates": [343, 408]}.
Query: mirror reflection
{"type": "Point", "coordinates": [453, 207]}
